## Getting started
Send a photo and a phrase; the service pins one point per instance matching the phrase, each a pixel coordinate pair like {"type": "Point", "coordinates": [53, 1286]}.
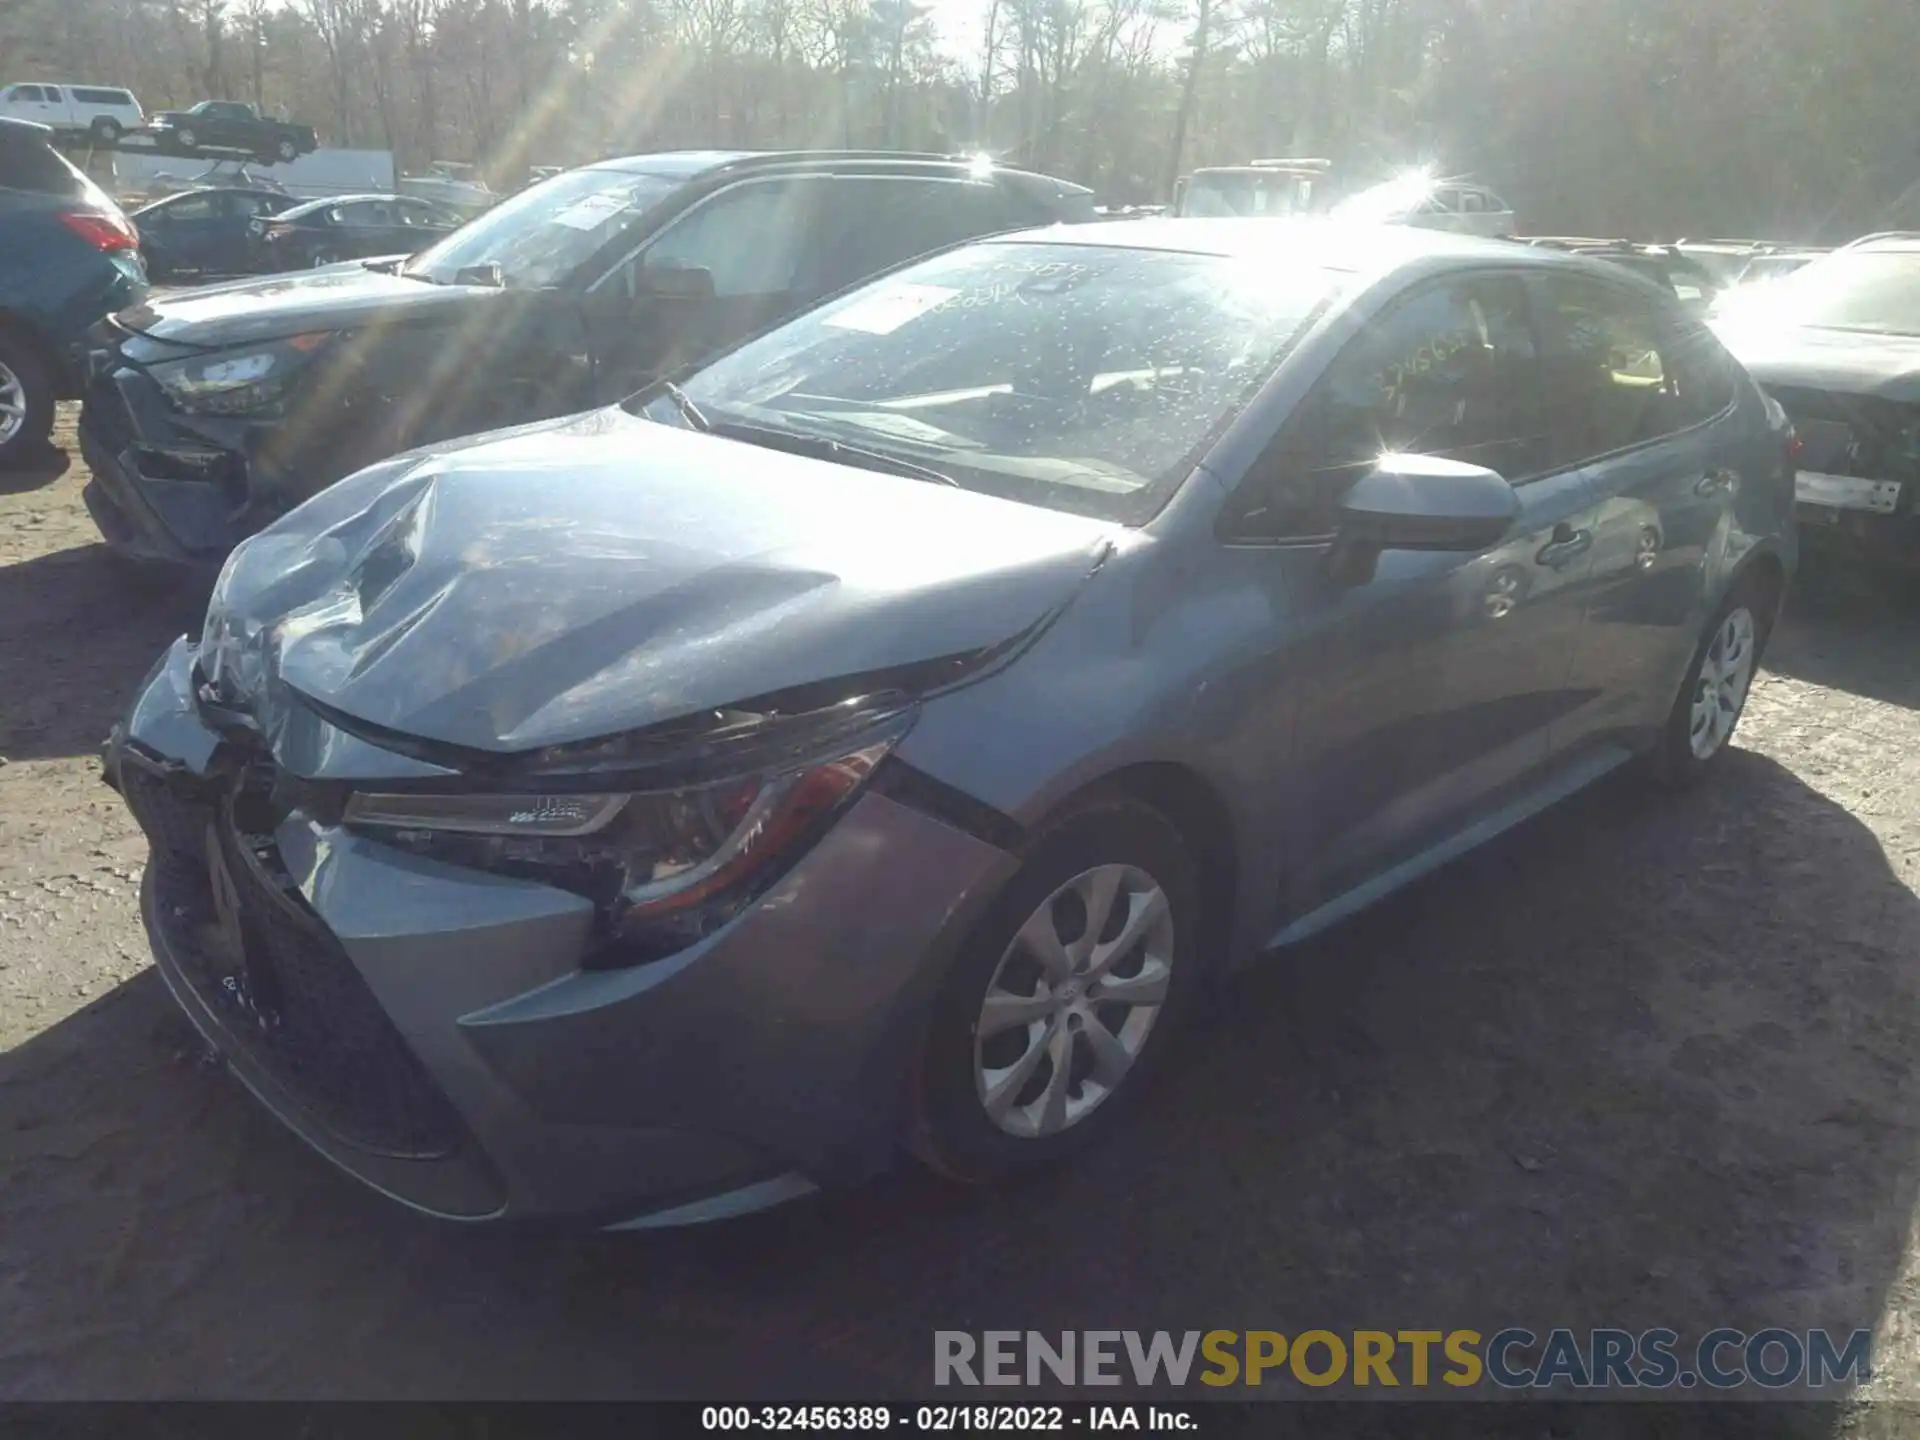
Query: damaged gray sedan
{"type": "Point", "coordinates": [879, 738]}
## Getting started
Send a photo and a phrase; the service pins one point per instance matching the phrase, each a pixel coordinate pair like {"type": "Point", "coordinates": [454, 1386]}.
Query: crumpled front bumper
{"type": "Point", "coordinates": [163, 490]}
{"type": "Point", "coordinates": [430, 1030]}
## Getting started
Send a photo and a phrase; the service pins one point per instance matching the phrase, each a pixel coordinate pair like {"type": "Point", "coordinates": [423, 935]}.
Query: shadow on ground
{"type": "Point", "coordinates": [78, 630]}
{"type": "Point", "coordinates": [1853, 630]}
{"type": "Point", "coordinates": [33, 472]}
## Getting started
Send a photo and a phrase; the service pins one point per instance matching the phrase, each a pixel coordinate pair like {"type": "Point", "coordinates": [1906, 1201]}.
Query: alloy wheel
{"type": "Point", "coordinates": [1726, 673]}
{"type": "Point", "coordinates": [1073, 1000]}
{"type": "Point", "coordinates": [13, 404]}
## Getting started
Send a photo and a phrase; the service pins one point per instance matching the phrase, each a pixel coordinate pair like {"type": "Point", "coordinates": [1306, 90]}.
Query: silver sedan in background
{"type": "Point", "coordinates": [877, 739]}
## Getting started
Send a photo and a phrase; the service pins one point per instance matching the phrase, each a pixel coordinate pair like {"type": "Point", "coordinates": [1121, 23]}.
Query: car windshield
{"type": "Point", "coordinates": [1868, 290]}
{"type": "Point", "coordinates": [1075, 377]}
{"type": "Point", "coordinates": [541, 235]}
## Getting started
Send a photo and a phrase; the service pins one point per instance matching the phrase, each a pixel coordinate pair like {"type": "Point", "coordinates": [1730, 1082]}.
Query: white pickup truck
{"type": "Point", "coordinates": [100, 112]}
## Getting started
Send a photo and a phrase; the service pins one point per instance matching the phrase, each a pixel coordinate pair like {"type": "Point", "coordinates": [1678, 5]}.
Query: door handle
{"type": "Point", "coordinates": [1715, 482]}
{"type": "Point", "coordinates": [1567, 544]}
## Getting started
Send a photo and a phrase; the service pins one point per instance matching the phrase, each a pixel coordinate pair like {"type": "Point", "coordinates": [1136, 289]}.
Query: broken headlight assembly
{"type": "Point", "coordinates": [248, 381]}
{"type": "Point", "coordinates": [664, 866]}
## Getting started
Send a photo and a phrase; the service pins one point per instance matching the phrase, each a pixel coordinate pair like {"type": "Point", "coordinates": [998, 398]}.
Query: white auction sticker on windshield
{"type": "Point", "coordinates": [887, 309]}
{"type": "Point", "coordinates": [591, 212]}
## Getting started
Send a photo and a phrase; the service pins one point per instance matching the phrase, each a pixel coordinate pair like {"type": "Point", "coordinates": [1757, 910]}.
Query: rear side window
{"type": "Point", "coordinates": [881, 221]}
{"type": "Point", "coordinates": [28, 163]}
{"type": "Point", "coordinates": [102, 97]}
{"type": "Point", "coordinates": [1447, 370]}
{"type": "Point", "coordinates": [1613, 378]}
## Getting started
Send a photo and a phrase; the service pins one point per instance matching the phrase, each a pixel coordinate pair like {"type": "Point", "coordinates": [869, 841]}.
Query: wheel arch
{"type": "Point", "coordinates": [1198, 812]}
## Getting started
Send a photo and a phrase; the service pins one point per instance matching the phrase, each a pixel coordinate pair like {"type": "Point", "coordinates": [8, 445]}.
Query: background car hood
{"type": "Point", "coordinates": [1845, 360]}
{"type": "Point", "coordinates": [215, 316]}
{"type": "Point", "coordinates": [581, 578]}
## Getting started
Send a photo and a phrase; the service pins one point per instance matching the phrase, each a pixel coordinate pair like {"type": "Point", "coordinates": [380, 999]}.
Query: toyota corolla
{"type": "Point", "coordinates": [875, 740]}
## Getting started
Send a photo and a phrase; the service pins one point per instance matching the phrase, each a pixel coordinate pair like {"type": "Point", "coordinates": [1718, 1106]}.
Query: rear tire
{"type": "Point", "coordinates": [324, 257]}
{"type": "Point", "coordinates": [105, 130]}
{"type": "Point", "coordinates": [1699, 728]}
{"type": "Point", "coordinates": [287, 152]}
{"type": "Point", "coordinates": [26, 400]}
{"type": "Point", "coordinates": [996, 1102]}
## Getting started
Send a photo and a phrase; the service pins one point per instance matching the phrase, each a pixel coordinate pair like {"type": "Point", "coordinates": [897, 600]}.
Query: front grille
{"type": "Point", "coordinates": [284, 989]}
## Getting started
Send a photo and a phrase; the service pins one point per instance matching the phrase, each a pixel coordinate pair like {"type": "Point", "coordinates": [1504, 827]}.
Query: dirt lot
{"type": "Point", "coordinates": [1649, 1062]}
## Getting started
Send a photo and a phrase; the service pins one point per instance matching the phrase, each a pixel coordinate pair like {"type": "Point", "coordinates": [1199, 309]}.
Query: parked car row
{"type": "Point", "coordinates": [523, 780]}
{"type": "Point", "coordinates": [229, 231]}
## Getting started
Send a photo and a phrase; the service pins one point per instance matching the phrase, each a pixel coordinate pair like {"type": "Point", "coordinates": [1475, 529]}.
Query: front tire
{"type": "Point", "coordinates": [1699, 728]}
{"type": "Point", "coordinates": [1065, 998]}
{"type": "Point", "coordinates": [26, 400]}
{"type": "Point", "coordinates": [287, 152]}
{"type": "Point", "coordinates": [186, 139]}
{"type": "Point", "coordinates": [323, 258]}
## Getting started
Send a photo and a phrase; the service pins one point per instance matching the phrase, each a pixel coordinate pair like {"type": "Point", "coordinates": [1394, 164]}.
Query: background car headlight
{"type": "Point", "coordinates": [664, 867]}
{"type": "Point", "coordinates": [237, 382]}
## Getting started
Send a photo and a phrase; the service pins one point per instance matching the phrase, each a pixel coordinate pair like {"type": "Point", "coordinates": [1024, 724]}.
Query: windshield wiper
{"type": "Point", "coordinates": [825, 447]}
{"type": "Point", "coordinates": [689, 412]}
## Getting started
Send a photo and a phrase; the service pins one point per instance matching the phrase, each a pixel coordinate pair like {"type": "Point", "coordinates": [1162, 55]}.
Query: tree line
{"type": "Point", "coordinates": [1795, 119]}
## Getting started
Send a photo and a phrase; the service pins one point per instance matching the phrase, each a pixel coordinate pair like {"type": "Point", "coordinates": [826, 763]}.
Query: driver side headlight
{"type": "Point", "coordinates": [239, 382]}
{"type": "Point", "coordinates": [665, 867]}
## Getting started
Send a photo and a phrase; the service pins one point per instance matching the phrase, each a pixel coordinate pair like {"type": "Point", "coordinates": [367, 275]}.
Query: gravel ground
{"type": "Point", "coordinates": [1648, 1062]}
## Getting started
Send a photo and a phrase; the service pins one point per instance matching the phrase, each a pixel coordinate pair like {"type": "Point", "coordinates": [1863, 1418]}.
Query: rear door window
{"type": "Point", "coordinates": [879, 221]}
{"type": "Point", "coordinates": [1610, 383]}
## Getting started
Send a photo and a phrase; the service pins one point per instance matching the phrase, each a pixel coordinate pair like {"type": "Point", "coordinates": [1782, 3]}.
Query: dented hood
{"type": "Point", "coordinates": [581, 578]}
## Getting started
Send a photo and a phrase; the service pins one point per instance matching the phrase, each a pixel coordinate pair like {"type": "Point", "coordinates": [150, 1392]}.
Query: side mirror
{"type": "Point", "coordinates": [486, 273]}
{"type": "Point", "coordinates": [675, 282]}
{"type": "Point", "coordinates": [1420, 502]}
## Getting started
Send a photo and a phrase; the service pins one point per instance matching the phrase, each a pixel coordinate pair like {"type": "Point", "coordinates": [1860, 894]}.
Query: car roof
{"type": "Point", "coordinates": [307, 207]}
{"type": "Point", "coordinates": [690, 164]}
{"type": "Point", "coordinates": [1905, 243]}
{"type": "Point", "coordinates": [1328, 244]}
{"type": "Point", "coordinates": [211, 190]}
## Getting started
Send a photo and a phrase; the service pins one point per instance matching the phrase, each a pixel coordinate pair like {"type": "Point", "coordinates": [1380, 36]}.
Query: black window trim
{"type": "Point", "coordinates": [1400, 298]}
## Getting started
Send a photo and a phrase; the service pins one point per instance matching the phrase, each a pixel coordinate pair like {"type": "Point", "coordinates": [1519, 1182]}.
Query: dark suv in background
{"type": "Point", "coordinates": [215, 411]}
{"type": "Point", "coordinates": [67, 257]}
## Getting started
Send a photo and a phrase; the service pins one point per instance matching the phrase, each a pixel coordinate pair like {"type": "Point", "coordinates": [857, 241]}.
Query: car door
{"type": "Point", "coordinates": [239, 212]}
{"type": "Point", "coordinates": [1423, 697]}
{"type": "Point", "coordinates": [187, 234]}
{"type": "Point", "coordinates": [731, 264]}
{"type": "Point", "coordinates": [1641, 399]}
{"type": "Point", "coordinates": [34, 102]}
